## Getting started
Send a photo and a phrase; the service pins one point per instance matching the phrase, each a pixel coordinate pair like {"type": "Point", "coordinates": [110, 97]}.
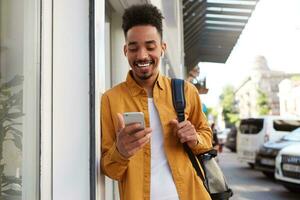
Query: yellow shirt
{"type": "Point", "coordinates": [133, 174]}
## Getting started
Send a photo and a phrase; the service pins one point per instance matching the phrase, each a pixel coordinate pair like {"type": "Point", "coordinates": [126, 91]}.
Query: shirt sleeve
{"type": "Point", "coordinates": [113, 164]}
{"type": "Point", "coordinates": [198, 119]}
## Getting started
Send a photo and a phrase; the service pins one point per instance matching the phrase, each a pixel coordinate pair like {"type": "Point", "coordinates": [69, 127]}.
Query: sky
{"type": "Point", "coordinates": [272, 31]}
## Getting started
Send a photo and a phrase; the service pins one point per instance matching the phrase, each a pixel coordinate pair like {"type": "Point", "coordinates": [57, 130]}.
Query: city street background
{"type": "Point", "coordinates": [249, 184]}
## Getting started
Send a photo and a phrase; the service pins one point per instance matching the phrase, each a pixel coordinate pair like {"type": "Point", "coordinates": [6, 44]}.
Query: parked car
{"type": "Point", "coordinates": [231, 139]}
{"type": "Point", "coordinates": [265, 158]}
{"type": "Point", "coordinates": [254, 132]}
{"type": "Point", "coordinates": [287, 170]}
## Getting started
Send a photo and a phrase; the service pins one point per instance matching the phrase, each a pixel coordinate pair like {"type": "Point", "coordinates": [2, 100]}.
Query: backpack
{"type": "Point", "coordinates": [212, 175]}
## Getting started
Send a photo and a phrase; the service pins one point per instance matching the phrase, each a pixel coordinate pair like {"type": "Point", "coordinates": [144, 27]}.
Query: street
{"type": "Point", "coordinates": [249, 184]}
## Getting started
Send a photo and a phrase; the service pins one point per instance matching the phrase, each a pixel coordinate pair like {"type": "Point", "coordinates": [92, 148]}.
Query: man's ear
{"type": "Point", "coordinates": [125, 49]}
{"type": "Point", "coordinates": [164, 47]}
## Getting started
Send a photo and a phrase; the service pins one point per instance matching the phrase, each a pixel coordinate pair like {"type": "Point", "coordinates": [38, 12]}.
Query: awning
{"type": "Point", "coordinates": [212, 27]}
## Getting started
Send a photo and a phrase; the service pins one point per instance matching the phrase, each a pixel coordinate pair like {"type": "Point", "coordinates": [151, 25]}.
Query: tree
{"type": "Point", "coordinates": [227, 100]}
{"type": "Point", "coordinates": [262, 103]}
{"type": "Point", "coordinates": [295, 78]}
{"type": "Point", "coordinates": [212, 112]}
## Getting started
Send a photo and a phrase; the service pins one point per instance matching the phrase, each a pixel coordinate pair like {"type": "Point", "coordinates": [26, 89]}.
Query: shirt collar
{"type": "Point", "coordinates": [136, 89]}
{"type": "Point", "coordinates": [160, 82]}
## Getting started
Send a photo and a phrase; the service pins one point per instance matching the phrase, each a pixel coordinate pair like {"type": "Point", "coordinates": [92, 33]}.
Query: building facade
{"type": "Point", "coordinates": [289, 97]}
{"type": "Point", "coordinates": [262, 80]}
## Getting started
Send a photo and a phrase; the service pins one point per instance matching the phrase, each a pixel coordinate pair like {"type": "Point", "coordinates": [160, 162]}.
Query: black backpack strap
{"type": "Point", "coordinates": [179, 105]}
{"type": "Point", "coordinates": [178, 97]}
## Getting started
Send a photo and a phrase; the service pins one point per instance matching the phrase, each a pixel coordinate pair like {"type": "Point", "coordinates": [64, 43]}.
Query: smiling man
{"type": "Point", "coordinates": [150, 163]}
{"type": "Point", "coordinates": [144, 55]}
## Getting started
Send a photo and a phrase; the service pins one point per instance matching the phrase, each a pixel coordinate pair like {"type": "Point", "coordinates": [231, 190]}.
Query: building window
{"type": "Point", "coordinates": [19, 99]}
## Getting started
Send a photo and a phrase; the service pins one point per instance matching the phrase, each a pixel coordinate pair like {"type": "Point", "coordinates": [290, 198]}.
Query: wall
{"type": "Point", "coordinates": [71, 100]}
{"type": "Point", "coordinates": [119, 64]}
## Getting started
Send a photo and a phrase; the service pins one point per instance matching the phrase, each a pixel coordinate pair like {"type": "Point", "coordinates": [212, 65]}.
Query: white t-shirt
{"type": "Point", "coordinates": [162, 183]}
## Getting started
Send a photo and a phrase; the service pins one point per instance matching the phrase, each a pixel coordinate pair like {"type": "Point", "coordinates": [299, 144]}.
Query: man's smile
{"type": "Point", "coordinates": [140, 64]}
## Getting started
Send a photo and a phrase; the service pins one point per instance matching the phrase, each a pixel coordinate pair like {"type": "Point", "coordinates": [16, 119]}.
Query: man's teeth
{"type": "Point", "coordinates": [143, 65]}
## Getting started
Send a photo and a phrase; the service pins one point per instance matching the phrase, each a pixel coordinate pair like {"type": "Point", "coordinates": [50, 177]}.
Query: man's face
{"type": "Point", "coordinates": [143, 49]}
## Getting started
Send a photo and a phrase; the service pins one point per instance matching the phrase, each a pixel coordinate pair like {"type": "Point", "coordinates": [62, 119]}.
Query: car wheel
{"type": "Point", "coordinates": [269, 174]}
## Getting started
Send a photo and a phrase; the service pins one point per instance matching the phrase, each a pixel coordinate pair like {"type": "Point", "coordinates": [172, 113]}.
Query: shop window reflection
{"type": "Point", "coordinates": [19, 97]}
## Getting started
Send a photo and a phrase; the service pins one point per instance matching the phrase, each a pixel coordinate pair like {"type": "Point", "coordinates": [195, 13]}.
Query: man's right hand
{"type": "Point", "coordinates": [131, 138]}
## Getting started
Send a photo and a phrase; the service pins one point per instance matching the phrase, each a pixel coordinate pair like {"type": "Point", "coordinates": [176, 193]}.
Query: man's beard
{"type": "Point", "coordinates": [145, 76]}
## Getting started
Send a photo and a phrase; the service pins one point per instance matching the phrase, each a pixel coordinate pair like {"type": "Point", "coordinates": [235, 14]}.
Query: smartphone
{"type": "Point", "coordinates": [134, 117]}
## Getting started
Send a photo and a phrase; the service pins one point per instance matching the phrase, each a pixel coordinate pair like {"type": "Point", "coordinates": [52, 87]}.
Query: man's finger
{"type": "Point", "coordinates": [184, 123]}
{"type": "Point", "coordinates": [174, 122]}
{"type": "Point", "coordinates": [133, 128]}
{"type": "Point", "coordinates": [187, 129]}
{"type": "Point", "coordinates": [138, 144]}
{"type": "Point", "coordinates": [121, 123]}
{"type": "Point", "coordinates": [140, 134]}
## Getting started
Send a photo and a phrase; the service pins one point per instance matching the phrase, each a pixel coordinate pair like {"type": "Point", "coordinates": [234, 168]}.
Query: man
{"type": "Point", "coordinates": [151, 163]}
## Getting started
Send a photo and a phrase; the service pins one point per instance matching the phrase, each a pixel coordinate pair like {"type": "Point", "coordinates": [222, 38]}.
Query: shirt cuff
{"type": "Point", "coordinates": [117, 157]}
{"type": "Point", "coordinates": [200, 147]}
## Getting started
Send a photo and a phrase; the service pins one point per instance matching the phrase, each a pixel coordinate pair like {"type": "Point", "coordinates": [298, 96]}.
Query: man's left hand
{"type": "Point", "coordinates": [186, 132]}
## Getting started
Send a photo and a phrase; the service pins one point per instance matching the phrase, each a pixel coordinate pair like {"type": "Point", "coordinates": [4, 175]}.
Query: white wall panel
{"type": "Point", "coordinates": [70, 100]}
{"type": "Point", "coordinates": [119, 62]}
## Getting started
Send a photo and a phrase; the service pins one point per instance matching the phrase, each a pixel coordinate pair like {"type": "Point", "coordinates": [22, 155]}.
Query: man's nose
{"type": "Point", "coordinates": [142, 54]}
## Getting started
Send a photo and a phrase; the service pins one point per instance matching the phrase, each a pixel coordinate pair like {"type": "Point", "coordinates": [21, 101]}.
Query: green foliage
{"type": "Point", "coordinates": [10, 113]}
{"type": "Point", "coordinates": [213, 112]}
{"type": "Point", "coordinates": [295, 78]}
{"type": "Point", "coordinates": [227, 100]}
{"type": "Point", "coordinates": [262, 103]}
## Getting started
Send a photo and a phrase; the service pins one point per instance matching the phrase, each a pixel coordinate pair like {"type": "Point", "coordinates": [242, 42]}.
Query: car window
{"type": "Point", "coordinates": [251, 126]}
{"type": "Point", "coordinates": [286, 125]}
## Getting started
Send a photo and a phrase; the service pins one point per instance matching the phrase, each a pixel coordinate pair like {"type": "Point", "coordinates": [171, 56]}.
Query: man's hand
{"type": "Point", "coordinates": [131, 138]}
{"type": "Point", "coordinates": [186, 132]}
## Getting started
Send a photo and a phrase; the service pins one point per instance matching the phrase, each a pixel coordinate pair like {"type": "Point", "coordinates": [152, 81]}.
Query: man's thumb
{"type": "Point", "coordinates": [121, 123]}
{"type": "Point", "coordinates": [173, 122]}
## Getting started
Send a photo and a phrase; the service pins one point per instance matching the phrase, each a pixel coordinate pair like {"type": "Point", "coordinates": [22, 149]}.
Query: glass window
{"type": "Point", "coordinates": [286, 125]}
{"type": "Point", "coordinates": [19, 99]}
{"type": "Point", "coordinates": [251, 126]}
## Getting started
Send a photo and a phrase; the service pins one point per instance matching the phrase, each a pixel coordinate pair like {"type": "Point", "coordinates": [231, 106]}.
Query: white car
{"type": "Point", "coordinates": [287, 169]}
{"type": "Point", "coordinates": [254, 132]}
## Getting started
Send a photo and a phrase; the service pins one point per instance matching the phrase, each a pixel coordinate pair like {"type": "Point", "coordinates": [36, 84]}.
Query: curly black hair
{"type": "Point", "coordinates": [142, 14]}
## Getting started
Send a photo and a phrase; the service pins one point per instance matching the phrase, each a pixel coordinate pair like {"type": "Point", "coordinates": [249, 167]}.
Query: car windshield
{"type": "Point", "coordinates": [293, 136]}
{"type": "Point", "coordinates": [286, 125]}
{"type": "Point", "coordinates": [251, 126]}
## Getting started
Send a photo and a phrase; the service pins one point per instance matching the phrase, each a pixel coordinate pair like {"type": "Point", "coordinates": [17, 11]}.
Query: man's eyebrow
{"type": "Point", "coordinates": [151, 42]}
{"type": "Point", "coordinates": [147, 42]}
{"type": "Point", "coordinates": [132, 43]}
